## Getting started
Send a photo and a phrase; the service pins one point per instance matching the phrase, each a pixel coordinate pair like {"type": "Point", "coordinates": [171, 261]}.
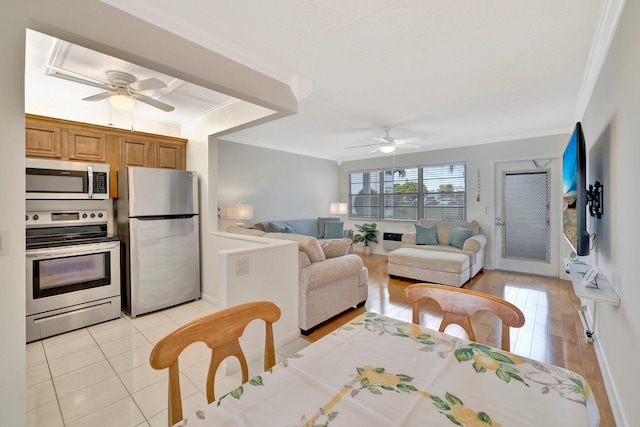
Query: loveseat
{"type": "Point", "coordinates": [314, 227]}
{"type": "Point", "coordinates": [330, 280]}
{"type": "Point", "coordinates": [443, 252]}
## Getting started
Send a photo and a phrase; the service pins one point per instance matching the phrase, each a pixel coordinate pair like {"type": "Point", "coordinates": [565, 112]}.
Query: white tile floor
{"type": "Point", "coordinates": [100, 375]}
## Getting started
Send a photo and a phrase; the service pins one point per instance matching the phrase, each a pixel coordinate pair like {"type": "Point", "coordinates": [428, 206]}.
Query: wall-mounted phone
{"type": "Point", "coordinates": [590, 277]}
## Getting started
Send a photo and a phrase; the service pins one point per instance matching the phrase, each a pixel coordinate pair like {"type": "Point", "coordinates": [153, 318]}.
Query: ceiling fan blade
{"type": "Point", "coordinates": [147, 84]}
{"type": "Point", "coordinates": [411, 139]}
{"type": "Point", "coordinates": [375, 149]}
{"type": "Point", "coordinates": [407, 146]}
{"type": "Point", "coordinates": [153, 102]}
{"type": "Point", "coordinates": [360, 146]}
{"type": "Point", "coordinates": [99, 97]}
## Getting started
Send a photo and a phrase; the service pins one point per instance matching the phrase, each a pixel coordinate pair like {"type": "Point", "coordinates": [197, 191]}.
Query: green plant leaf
{"type": "Point", "coordinates": [256, 380]}
{"type": "Point", "coordinates": [463, 354]}
{"type": "Point", "coordinates": [379, 370]}
{"type": "Point", "coordinates": [442, 406]}
{"type": "Point", "coordinates": [407, 388]}
{"type": "Point", "coordinates": [503, 375]}
{"type": "Point", "coordinates": [485, 418]}
{"type": "Point", "coordinates": [360, 370]}
{"type": "Point", "coordinates": [499, 357]}
{"type": "Point", "coordinates": [237, 392]}
{"type": "Point", "coordinates": [374, 390]}
{"type": "Point", "coordinates": [479, 346]}
{"type": "Point", "coordinates": [404, 378]}
{"type": "Point", "coordinates": [478, 368]}
{"type": "Point", "coordinates": [453, 400]}
{"type": "Point", "coordinates": [364, 383]}
{"type": "Point", "coordinates": [453, 420]}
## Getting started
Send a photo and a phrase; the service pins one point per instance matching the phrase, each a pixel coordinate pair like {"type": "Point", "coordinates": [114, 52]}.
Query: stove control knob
{"type": "Point", "coordinates": [93, 215]}
{"type": "Point", "coordinates": [84, 215]}
{"type": "Point", "coordinates": [100, 215]}
{"type": "Point", "coordinates": [36, 217]}
{"type": "Point", "coordinates": [26, 218]}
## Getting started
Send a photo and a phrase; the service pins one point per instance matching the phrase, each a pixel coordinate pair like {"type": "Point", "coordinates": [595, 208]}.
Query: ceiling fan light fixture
{"type": "Point", "coordinates": [121, 102]}
{"type": "Point", "coordinates": [388, 149]}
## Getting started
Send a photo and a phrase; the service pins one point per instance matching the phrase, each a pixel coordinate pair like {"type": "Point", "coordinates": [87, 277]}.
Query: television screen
{"type": "Point", "coordinates": [574, 197]}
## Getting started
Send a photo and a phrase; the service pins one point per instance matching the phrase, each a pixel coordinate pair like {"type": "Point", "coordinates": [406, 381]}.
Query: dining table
{"type": "Point", "coordinates": [379, 371]}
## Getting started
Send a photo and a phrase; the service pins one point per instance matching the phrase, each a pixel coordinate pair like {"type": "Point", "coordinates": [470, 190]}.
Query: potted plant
{"type": "Point", "coordinates": [366, 233]}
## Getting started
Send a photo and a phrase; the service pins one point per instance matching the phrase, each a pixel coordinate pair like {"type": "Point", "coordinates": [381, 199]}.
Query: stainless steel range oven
{"type": "Point", "coordinates": [73, 272]}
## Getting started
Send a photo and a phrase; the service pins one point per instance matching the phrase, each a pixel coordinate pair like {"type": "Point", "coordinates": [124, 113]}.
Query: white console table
{"type": "Point", "coordinates": [603, 292]}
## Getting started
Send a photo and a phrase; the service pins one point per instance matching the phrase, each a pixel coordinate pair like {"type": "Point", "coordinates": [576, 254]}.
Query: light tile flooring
{"type": "Point", "coordinates": [100, 375]}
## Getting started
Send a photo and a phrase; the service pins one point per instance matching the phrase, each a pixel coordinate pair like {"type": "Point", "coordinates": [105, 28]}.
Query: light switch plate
{"type": "Point", "coordinates": [4, 242]}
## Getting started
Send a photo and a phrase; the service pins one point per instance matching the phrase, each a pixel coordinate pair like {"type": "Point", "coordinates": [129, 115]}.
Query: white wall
{"type": "Point", "coordinates": [482, 158]}
{"type": "Point", "coordinates": [612, 133]}
{"type": "Point", "coordinates": [12, 259]}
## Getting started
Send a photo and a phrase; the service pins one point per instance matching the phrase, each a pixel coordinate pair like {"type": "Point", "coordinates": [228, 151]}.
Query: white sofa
{"type": "Point", "coordinates": [441, 262]}
{"type": "Point", "coordinates": [330, 280]}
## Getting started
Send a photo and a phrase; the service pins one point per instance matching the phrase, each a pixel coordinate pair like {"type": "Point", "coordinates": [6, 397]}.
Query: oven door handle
{"type": "Point", "coordinates": [88, 249]}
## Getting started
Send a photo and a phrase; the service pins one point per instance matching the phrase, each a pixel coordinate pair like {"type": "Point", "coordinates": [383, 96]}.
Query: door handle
{"type": "Point", "coordinates": [499, 222]}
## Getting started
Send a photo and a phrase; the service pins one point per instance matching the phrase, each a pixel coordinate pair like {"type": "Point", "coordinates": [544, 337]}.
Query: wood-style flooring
{"type": "Point", "coordinates": [553, 332]}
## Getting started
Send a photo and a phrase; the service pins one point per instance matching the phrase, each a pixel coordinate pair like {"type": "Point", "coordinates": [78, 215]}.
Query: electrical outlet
{"type": "Point", "coordinates": [4, 242]}
{"type": "Point", "coordinates": [242, 267]}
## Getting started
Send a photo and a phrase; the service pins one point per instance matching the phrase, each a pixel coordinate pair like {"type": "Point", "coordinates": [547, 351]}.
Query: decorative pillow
{"type": "Point", "coordinates": [306, 244]}
{"type": "Point", "coordinates": [459, 235]}
{"type": "Point", "coordinates": [335, 247]}
{"type": "Point", "coordinates": [426, 235]}
{"type": "Point", "coordinates": [287, 229]}
{"type": "Point", "coordinates": [321, 224]}
{"type": "Point", "coordinates": [275, 227]}
{"type": "Point", "coordinates": [333, 230]}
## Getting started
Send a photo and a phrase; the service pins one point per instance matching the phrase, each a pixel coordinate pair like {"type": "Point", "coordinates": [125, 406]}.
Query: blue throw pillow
{"type": "Point", "coordinates": [333, 230]}
{"type": "Point", "coordinates": [459, 235]}
{"type": "Point", "coordinates": [275, 227]}
{"type": "Point", "coordinates": [426, 235]}
{"type": "Point", "coordinates": [287, 229]}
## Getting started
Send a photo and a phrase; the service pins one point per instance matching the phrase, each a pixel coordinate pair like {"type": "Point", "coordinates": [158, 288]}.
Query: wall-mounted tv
{"type": "Point", "coordinates": [574, 197]}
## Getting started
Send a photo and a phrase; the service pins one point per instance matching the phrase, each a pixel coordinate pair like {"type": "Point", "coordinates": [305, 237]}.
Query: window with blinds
{"type": "Point", "coordinates": [433, 192]}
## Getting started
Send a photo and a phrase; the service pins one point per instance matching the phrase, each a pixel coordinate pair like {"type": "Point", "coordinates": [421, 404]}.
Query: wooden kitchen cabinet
{"type": "Point", "coordinates": [51, 138]}
{"type": "Point", "coordinates": [152, 153]}
{"type": "Point", "coordinates": [87, 146]}
{"type": "Point", "coordinates": [44, 141]}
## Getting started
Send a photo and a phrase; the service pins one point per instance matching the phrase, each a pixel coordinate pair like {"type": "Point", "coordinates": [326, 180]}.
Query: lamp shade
{"type": "Point", "coordinates": [239, 211]}
{"type": "Point", "coordinates": [338, 208]}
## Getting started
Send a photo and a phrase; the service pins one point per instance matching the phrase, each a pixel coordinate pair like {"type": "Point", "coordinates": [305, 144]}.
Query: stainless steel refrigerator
{"type": "Point", "coordinates": [157, 213]}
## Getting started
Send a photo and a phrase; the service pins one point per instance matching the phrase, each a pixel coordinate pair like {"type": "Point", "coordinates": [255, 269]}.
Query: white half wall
{"type": "Point", "coordinates": [258, 269]}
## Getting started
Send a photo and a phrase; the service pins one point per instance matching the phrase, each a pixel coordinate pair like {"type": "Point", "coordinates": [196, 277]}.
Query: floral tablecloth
{"type": "Point", "coordinates": [379, 371]}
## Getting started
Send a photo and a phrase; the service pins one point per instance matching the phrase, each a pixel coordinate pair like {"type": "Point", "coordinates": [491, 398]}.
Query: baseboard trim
{"type": "Point", "coordinates": [209, 299]}
{"type": "Point", "coordinates": [609, 385]}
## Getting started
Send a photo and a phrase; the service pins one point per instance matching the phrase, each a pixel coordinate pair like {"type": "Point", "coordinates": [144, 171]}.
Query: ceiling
{"type": "Point", "coordinates": [454, 74]}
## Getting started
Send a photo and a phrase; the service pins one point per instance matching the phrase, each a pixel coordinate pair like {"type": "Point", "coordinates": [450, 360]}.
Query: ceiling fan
{"type": "Point", "coordinates": [121, 89]}
{"type": "Point", "coordinates": [387, 143]}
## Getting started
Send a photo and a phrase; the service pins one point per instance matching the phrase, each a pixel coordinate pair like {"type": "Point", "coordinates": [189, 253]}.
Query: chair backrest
{"type": "Point", "coordinates": [459, 305]}
{"type": "Point", "coordinates": [220, 332]}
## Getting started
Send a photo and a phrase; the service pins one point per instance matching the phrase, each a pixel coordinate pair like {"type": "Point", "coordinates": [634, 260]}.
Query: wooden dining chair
{"type": "Point", "coordinates": [220, 332]}
{"type": "Point", "coordinates": [459, 305]}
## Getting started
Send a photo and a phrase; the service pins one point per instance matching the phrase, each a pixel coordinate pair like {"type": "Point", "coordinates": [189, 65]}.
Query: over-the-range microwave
{"type": "Point", "coordinates": [62, 180]}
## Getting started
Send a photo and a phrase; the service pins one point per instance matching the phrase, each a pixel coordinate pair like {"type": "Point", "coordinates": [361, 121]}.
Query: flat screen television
{"type": "Point", "coordinates": [574, 197]}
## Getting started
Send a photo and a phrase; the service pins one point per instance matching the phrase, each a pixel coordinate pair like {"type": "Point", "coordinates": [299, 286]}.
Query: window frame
{"type": "Point", "coordinates": [373, 205]}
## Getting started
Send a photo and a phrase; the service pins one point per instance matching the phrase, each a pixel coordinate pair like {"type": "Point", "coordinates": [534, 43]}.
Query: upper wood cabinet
{"type": "Point", "coordinates": [87, 146]}
{"type": "Point", "coordinates": [152, 153]}
{"type": "Point", "coordinates": [51, 138]}
{"type": "Point", "coordinates": [43, 141]}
